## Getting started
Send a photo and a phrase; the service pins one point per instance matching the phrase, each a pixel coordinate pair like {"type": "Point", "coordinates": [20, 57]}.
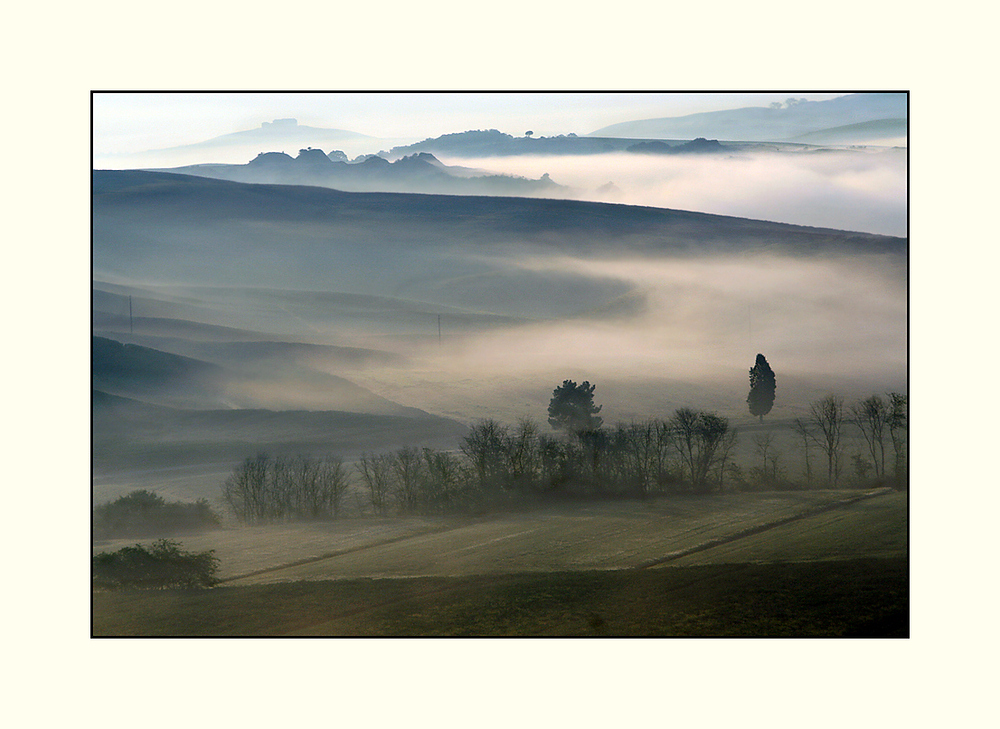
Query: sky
{"type": "Point", "coordinates": [867, 193]}
{"type": "Point", "coordinates": [135, 122]}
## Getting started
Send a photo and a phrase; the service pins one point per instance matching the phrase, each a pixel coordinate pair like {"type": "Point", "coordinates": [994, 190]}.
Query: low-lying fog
{"type": "Point", "coordinates": [687, 336]}
{"type": "Point", "coordinates": [859, 190]}
{"type": "Point", "coordinates": [672, 320]}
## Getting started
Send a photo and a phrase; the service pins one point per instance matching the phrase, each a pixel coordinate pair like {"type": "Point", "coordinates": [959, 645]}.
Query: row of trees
{"type": "Point", "coordinates": [693, 451]}
{"type": "Point", "coordinates": [263, 488]}
{"type": "Point", "coordinates": [496, 464]}
{"type": "Point", "coordinates": [688, 451]}
{"type": "Point", "coordinates": [882, 423]}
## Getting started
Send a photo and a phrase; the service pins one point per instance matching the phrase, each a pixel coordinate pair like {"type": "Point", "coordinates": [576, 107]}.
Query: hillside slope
{"type": "Point", "coordinates": [142, 438]}
{"type": "Point", "coordinates": [768, 124]}
{"type": "Point", "coordinates": [479, 255]}
{"type": "Point", "coordinates": [255, 377]}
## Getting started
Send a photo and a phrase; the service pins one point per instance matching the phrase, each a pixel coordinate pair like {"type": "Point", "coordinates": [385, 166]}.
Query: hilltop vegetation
{"type": "Point", "coordinates": [421, 173]}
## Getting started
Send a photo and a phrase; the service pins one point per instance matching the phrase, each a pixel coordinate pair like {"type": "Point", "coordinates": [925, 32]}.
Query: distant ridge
{"type": "Point", "coordinates": [128, 433]}
{"type": "Point", "coordinates": [791, 121]}
{"type": "Point", "coordinates": [420, 172]}
{"type": "Point", "coordinates": [148, 374]}
{"type": "Point", "coordinates": [287, 131]}
{"type": "Point", "coordinates": [469, 217]}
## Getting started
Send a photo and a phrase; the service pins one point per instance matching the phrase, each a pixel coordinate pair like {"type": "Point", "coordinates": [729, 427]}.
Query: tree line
{"type": "Point", "coordinates": [497, 463]}
{"type": "Point", "coordinates": [882, 423]}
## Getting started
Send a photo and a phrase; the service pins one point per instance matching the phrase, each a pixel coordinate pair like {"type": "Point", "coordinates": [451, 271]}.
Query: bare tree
{"type": "Point", "coordinates": [725, 450]}
{"type": "Point", "coordinates": [697, 438]}
{"type": "Point", "coordinates": [484, 448]}
{"type": "Point", "coordinates": [522, 455]}
{"type": "Point", "coordinates": [408, 467]}
{"type": "Point", "coordinates": [245, 490]}
{"type": "Point", "coordinates": [897, 424]}
{"type": "Point", "coordinates": [637, 456]}
{"type": "Point", "coordinates": [333, 483]}
{"type": "Point", "coordinates": [442, 478]}
{"type": "Point", "coordinates": [872, 418]}
{"type": "Point", "coordinates": [552, 460]}
{"type": "Point", "coordinates": [377, 476]}
{"type": "Point", "coordinates": [307, 501]}
{"type": "Point", "coordinates": [764, 446]}
{"type": "Point", "coordinates": [828, 416]}
{"type": "Point", "coordinates": [802, 429]}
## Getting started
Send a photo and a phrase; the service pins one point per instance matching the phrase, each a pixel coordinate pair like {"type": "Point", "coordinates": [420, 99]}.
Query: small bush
{"type": "Point", "coordinates": [160, 565]}
{"type": "Point", "coordinates": [144, 513]}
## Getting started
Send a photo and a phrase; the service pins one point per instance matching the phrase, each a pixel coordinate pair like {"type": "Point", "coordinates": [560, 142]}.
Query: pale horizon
{"type": "Point", "coordinates": [129, 123]}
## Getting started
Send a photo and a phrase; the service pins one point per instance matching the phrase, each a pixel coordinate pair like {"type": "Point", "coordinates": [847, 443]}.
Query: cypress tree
{"type": "Point", "coordinates": [761, 397]}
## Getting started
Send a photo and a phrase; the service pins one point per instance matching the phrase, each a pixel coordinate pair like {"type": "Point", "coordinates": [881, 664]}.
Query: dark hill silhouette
{"type": "Point", "coordinates": [459, 252]}
{"type": "Point", "coordinates": [145, 373]}
{"type": "Point", "coordinates": [420, 172]}
{"type": "Point", "coordinates": [558, 224]}
{"type": "Point", "coordinates": [130, 434]}
{"type": "Point", "coordinates": [696, 146]}
{"type": "Point", "coordinates": [494, 143]}
{"type": "Point", "coordinates": [131, 365]}
{"type": "Point", "coordinates": [261, 353]}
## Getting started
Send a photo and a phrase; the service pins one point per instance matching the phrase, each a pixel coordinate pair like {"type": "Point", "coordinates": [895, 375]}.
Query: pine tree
{"type": "Point", "coordinates": [761, 397]}
{"type": "Point", "coordinates": [572, 408]}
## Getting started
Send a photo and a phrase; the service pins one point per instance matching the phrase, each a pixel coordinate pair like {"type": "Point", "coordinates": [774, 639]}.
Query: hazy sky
{"type": "Point", "coordinates": [129, 122]}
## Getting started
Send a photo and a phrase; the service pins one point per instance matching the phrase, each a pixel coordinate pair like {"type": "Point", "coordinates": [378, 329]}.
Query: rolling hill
{"type": "Point", "coordinates": [493, 143]}
{"type": "Point", "coordinates": [391, 264]}
{"type": "Point", "coordinates": [298, 299]}
{"type": "Point", "coordinates": [791, 122]}
{"type": "Point", "coordinates": [279, 134]}
{"type": "Point", "coordinates": [142, 439]}
{"type": "Point", "coordinates": [255, 375]}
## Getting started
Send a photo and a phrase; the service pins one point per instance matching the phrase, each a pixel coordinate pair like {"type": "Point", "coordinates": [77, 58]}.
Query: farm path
{"type": "Point", "coordinates": [607, 536]}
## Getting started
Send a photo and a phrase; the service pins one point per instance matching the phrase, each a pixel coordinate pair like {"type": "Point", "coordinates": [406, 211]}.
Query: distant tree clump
{"type": "Point", "coordinates": [143, 512]}
{"type": "Point", "coordinates": [762, 387]}
{"type": "Point", "coordinates": [160, 565]}
{"type": "Point", "coordinates": [572, 408]}
{"type": "Point", "coordinates": [263, 489]}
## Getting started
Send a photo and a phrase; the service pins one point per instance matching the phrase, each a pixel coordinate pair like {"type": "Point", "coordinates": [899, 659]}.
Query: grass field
{"type": "Point", "coordinates": [789, 564]}
{"type": "Point", "coordinates": [866, 597]}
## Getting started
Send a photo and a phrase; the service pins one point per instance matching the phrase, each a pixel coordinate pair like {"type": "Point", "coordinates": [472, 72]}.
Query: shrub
{"type": "Point", "coordinates": [142, 513]}
{"type": "Point", "coordinates": [160, 565]}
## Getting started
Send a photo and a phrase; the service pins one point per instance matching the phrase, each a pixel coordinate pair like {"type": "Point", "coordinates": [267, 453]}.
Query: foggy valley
{"type": "Point", "coordinates": [355, 328]}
